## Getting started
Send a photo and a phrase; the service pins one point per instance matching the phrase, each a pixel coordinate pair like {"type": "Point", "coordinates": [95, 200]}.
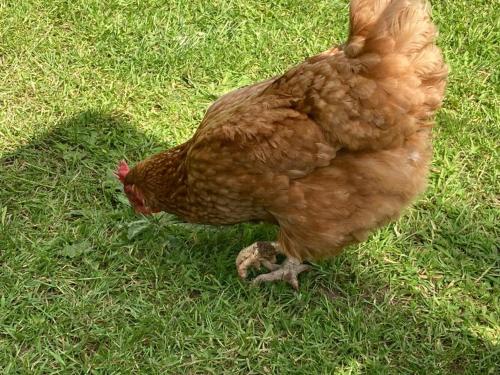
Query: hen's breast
{"type": "Point", "coordinates": [220, 204]}
{"type": "Point", "coordinates": [221, 192]}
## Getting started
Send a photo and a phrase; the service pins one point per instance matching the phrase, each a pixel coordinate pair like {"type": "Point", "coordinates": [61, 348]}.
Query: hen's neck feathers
{"type": "Point", "coordinates": [162, 179]}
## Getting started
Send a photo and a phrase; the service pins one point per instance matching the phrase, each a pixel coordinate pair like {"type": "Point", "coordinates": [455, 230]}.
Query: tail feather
{"type": "Point", "coordinates": [406, 23]}
{"type": "Point", "coordinates": [363, 16]}
{"type": "Point", "coordinates": [385, 83]}
{"type": "Point", "coordinates": [395, 39]}
{"type": "Point", "coordinates": [389, 25]}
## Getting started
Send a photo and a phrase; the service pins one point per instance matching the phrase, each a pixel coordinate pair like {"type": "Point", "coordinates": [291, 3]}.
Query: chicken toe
{"type": "Point", "coordinates": [288, 271]}
{"type": "Point", "coordinates": [257, 255]}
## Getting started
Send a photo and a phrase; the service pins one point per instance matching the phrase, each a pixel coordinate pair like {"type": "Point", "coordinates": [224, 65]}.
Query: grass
{"type": "Point", "coordinates": [88, 287]}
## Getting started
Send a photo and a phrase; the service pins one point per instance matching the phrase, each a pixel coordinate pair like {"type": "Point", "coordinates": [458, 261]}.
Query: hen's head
{"type": "Point", "coordinates": [134, 194]}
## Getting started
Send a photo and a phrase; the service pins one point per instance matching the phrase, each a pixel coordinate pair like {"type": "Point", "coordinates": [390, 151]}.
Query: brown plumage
{"type": "Point", "coordinates": [332, 149]}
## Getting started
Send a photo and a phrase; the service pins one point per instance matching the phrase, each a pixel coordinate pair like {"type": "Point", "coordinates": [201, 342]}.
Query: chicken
{"type": "Point", "coordinates": [329, 151]}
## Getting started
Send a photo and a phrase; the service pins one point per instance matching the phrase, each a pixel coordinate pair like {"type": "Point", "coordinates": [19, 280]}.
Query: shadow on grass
{"type": "Point", "coordinates": [72, 248]}
{"type": "Point", "coordinates": [62, 190]}
{"type": "Point", "coordinates": [59, 199]}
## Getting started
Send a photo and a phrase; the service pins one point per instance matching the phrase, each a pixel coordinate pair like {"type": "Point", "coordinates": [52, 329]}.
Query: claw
{"type": "Point", "coordinates": [264, 254]}
{"type": "Point", "coordinates": [257, 255]}
{"type": "Point", "coordinates": [288, 272]}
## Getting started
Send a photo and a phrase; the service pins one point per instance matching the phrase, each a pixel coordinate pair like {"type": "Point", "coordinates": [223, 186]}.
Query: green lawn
{"type": "Point", "coordinates": [86, 286]}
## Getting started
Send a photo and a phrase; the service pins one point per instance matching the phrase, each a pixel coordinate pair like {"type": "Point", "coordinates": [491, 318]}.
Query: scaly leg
{"type": "Point", "coordinates": [264, 254]}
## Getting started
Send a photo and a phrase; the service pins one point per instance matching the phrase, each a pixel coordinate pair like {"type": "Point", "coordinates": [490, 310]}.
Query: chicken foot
{"type": "Point", "coordinates": [264, 254]}
{"type": "Point", "coordinates": [257, 255]}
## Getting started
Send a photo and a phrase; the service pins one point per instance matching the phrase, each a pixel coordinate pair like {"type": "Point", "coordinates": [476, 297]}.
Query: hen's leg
{"type": "Point", "coordinates": [257, 255]}
{"type": "Point", "coordinates": [264, 254]}
{"type": "Point", "coordinates": [288, 271]}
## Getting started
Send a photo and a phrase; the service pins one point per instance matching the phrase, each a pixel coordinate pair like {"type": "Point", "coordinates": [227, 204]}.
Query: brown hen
{"type": "Point", "coordinates": [329, 151]}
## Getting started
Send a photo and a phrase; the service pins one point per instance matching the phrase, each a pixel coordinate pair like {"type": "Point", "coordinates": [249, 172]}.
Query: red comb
{"type": "Point", "coordinates": [122, 170]}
